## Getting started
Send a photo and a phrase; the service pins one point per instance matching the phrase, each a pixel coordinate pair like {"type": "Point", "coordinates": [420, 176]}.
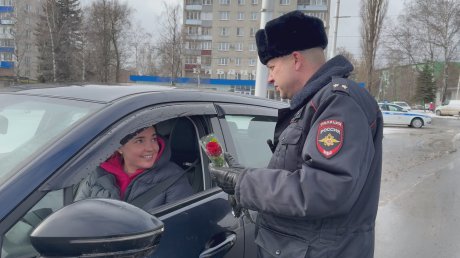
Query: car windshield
{"type": "Point", "coordinates": [28, 124]}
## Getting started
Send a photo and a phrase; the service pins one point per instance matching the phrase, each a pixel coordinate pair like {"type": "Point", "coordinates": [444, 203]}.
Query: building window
{"type": "Point", "coordinates": [192, 30]}
{"type": "Point", "coordinates": [191, 15]}
{"type": "Point", "coordinates": [225, 2]}
{"type": "Point", "coordinates": [224, 15]}
{"type": "Point", "coordinates": [241, 2]}
{"type": "Point", "coordinates": [239, 32]}
{"type": "Point", "coordinates": [251, 76]}
{"type": "Point", "coordinates": [206, 30]}
{"type": "Point", "coordinates": [252, 62]}
{"type": "Point", "coordinates": [252, 47]}
{"type": "Point", "coordinates": [224, 31]}
{"type": "Point", "coordinates": [239, 46]}
{"type": "Point", "coordinates": [237, 76]}
{"type": "Point", "coordinates": [254, 2]}
{"type": "Point", "coordinates": [190, 60]}
{"type": "Point", "coordinates": [207, 2]}
{"type": "Point", "coordinates": [240, 16]}
{"type": "Point", "coordinates": [237, 61]}
{"type": "Point", "coordinates": [7, 56]}
{"type": "Point", "coordinates": [223, 61]}
{"type": "Point", "coordinates": [284, 2]}
{"type": "Point", "coordinates": [206, 45]}
{"type": "Point", "coordinates": [224, 46]}
{"type": "Point", "coordinates": [252, 32]}
{"type": "Point", "coordinates": [254, 16]}
{"type": "Point", "coordinates": [221, 76]}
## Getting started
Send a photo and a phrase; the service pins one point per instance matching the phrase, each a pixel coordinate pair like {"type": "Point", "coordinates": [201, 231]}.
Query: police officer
{"type": "Point", "coordinates": [318, 197]}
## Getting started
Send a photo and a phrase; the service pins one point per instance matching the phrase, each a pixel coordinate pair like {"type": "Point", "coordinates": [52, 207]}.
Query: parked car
{"type": "Point", "coordinates": [52, 138]}
{"type": "Point", "coordinates": [452, 108]}
{"type": "Point", "coordinates": [397, 115]}
{"type": "Point", "coordinates": [402, 104]}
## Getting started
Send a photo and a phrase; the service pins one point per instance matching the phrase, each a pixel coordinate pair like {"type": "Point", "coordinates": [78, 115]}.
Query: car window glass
{"type": "Point", "coordinates": [16, 241]}
{"type": "Point", "coordinates": [31, 123]}
{"type": "Point", "coordinates": [250, 135]}
{"type": "Point", "coordinates": [394, 108]}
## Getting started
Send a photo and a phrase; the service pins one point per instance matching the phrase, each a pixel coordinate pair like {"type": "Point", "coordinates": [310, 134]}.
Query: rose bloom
{"type": "Point", "coordinates": [213, 148]}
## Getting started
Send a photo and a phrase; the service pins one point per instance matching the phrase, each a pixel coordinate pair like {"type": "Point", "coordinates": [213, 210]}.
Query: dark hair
{"type": "Point", "coordinates": [128, 137]}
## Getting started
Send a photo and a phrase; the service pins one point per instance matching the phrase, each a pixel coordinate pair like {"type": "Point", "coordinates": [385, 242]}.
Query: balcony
{"type": "Point", "coordinates": [7, 64]}
{"type": "Point", "coordinates": [206, 52]}
{"type": "Point", "coordinates": [6, 22]}
{"type": "Point", "coordinates": [6, 9]}
{"type": "Point", "coordinates": [193, 7]}
{"type": "Point", "coordinates": [192, 22]}
{"type": "Point", "coordinates": [198, 37]}
{"type": "Point", "coordinates": [6, 49]}
{"type": "Point", "coordinates": [189, 67]}
{"type": "Point", "coordinates": [302, 7]}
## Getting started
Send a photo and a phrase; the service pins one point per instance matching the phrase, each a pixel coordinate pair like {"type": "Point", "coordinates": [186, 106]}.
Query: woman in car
{"type": "Point", "coordinates": [140, 164]}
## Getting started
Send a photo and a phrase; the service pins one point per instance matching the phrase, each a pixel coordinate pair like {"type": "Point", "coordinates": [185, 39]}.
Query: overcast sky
{"type": "Point", "coordinates": [147, 13]}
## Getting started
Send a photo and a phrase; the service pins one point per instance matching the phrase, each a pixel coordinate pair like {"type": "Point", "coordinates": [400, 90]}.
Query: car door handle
{"type": "Point", "coordinates": [220, 248]}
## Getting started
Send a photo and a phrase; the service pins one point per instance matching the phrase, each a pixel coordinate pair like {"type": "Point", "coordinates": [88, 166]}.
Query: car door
{"type": "Point", "coordinates": [398, 116]}
{"type": "Point", "coordinates": [200, 225]}
{"type": "Point", "coordinates": [246, 131]}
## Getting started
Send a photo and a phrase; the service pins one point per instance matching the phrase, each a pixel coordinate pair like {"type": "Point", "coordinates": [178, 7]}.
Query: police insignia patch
{"type": "Point", "coordinates": [329, 139]}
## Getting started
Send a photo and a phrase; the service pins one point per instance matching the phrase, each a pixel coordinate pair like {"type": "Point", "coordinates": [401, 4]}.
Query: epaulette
{"type": "Point", "coordinates": [340, 85]}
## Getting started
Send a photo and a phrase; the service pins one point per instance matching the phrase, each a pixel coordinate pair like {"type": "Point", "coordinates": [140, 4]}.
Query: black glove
{"type": "Point", "coordinates": [226, 177]}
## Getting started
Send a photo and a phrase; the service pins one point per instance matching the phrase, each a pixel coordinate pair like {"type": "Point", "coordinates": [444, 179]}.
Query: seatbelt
{"type": "Point", "coordinates": [142, 199]}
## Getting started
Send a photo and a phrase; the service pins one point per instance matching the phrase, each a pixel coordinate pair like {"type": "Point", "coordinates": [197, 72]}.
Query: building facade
{"type": "Point", "coordinates": [18, 51]}
{"type": "Point", "coordinates": [219, 35]}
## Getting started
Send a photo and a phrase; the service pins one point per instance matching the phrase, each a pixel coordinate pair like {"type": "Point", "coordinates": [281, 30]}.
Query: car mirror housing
{"type": "Point", "coordinates": [98, 228]}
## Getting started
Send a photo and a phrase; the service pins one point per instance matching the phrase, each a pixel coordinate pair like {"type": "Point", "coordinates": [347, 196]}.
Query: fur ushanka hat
{"type": "Point", "coordinates": [293, 31]}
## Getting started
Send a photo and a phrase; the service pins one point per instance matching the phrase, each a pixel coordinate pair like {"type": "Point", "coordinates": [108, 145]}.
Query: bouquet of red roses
{"type": "Point", "coordinates": [213, 150]}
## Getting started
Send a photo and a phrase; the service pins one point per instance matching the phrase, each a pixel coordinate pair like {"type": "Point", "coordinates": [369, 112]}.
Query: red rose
{"type": "Point", "coordinates": [213, 149]}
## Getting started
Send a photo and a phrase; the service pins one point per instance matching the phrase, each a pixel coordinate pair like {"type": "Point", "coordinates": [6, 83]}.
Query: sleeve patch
{"type": "Point", "coordinates": [329, 138]}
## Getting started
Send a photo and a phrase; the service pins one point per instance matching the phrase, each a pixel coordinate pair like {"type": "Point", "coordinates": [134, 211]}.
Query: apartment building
{"type": "Point", "coordinates": [219, 34]}
{"type": "Point", "coordinates": [18, 52]}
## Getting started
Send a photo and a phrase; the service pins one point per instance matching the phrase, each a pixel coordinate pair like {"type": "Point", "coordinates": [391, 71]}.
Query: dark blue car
{"type": "Point", "coordinates": [53, 137]}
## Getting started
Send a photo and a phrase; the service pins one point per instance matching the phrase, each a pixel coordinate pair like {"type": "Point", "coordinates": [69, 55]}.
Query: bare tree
{"type": "Point", "coordinates": [428, 32]}
{"type": "Point", "coordinates": [372, 15]}
{"type": "Point", "coordinates": [170, 43]}
{"type": "Point", "coordinates": [107, 24]}
{"type": "Point", "coordinates": [143, 51]}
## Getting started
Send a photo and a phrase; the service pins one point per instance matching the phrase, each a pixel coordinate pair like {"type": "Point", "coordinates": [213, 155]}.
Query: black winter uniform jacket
{"type": "Point", "coordinates": [319, 195]}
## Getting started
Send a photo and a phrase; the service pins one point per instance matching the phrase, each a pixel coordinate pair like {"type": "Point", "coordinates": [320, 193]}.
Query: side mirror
{"type": "Point", "coordinates": [3, 124]}
{"type": "Point", "coordinates": [98, 228]}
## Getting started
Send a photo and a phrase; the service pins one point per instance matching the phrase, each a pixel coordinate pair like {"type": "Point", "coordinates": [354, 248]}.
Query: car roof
{"type": "Point", "coordinates": [111, 93]}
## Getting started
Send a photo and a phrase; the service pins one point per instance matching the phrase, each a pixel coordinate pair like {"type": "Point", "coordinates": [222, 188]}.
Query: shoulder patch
{"type": "Point", "coordinates": [329, 138]}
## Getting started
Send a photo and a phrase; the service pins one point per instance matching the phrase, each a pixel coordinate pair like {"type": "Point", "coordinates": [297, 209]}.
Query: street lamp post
{"type": "Point", "coordinates": [261, 72]}
{"type": "Point", "coordinates": [336, 27]}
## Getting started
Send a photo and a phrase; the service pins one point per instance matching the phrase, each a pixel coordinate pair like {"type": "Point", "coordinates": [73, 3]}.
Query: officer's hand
{"type": "Point", "coordinates": [226, 178]}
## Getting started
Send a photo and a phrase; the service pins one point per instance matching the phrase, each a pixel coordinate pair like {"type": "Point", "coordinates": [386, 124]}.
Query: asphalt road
{"type": "Point", "coordinates": [419, 210]}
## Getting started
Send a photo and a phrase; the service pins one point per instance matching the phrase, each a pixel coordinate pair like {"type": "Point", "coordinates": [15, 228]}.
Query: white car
{"type": "Point", "coordinates": [402, 104]}
{"type": "Point", "coordinates": [397, 115]}
{"type": "Point", "coordinates": [452, 109]}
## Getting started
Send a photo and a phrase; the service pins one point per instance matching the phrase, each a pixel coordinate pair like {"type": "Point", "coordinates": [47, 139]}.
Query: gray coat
{"type": "Point", "coordinates": [319, 195]}
{"type": "Point", "coordinates": [102, 184]}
